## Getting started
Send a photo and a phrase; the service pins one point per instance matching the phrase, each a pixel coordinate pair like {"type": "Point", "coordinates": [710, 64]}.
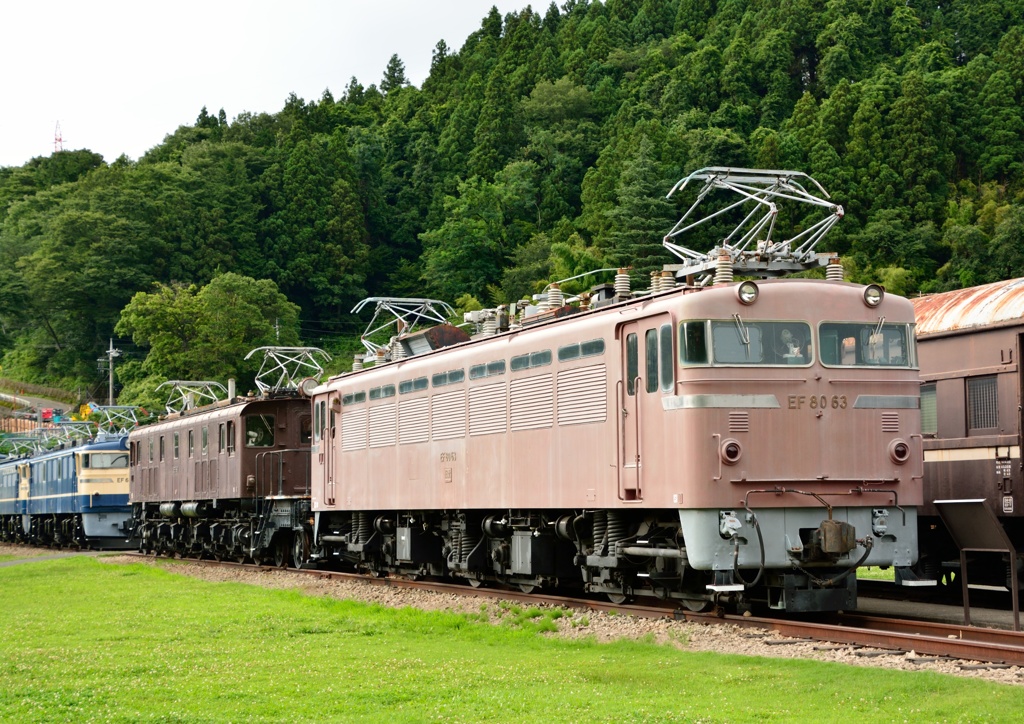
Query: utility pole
{"type": "Point", "coordinates": [111, 354]}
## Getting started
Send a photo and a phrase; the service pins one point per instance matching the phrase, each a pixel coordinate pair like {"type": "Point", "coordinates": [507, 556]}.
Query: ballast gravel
{"type": "Point", "coordinates": [602, 627]}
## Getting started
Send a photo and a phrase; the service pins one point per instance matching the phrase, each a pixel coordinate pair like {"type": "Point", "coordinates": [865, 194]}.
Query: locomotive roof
{"type": "Point", "coordinates": [101, 443]}
{"type": "Point", "coordinates": [219, 409]}
{"type": "Point", "coordinates": [704, 302]}
{"type": "Point", "coordinates": [964, 309]}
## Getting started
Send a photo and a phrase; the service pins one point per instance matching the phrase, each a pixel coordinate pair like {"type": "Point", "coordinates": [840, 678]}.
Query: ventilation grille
{"type": "Point", "coordinates": [739, 421]}
{"type": "Point", "coordinates": [582, 395]}
{"type": "Point", "coordinates": [890, 422]}
{"type": "Point", "coordinates": [488, 409]}
{"type": "Point", "coordinates": [531, 402]}
{"type": "Point", "coordinates": [353, 430]}
{"type": "Point", "coordinates": [382, 426]}
{"type": "Point", "coordinates": [414, 421]}
{"type": "Point", "coordinates": [448, 415]}
{"type": "Point", "coordinates": [982, 403]}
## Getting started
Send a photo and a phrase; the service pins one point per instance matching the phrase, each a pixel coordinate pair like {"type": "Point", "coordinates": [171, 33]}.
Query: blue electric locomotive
{"type": "Point", "coordinates": [72, 496]}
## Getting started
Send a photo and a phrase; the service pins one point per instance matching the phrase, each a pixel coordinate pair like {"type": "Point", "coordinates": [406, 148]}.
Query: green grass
{"type": "Point", "coordinates": [91, 641]}
{"type": "Point", "coordinates": [876, 574]}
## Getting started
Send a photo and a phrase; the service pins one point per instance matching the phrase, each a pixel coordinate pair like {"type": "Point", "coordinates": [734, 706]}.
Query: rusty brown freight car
{"type": "Point", "coordinates": [229, 480]}
{"type": "Point", "coordinates": [742, 442]}
{"type": "Point", "coordinates": [970, 343]}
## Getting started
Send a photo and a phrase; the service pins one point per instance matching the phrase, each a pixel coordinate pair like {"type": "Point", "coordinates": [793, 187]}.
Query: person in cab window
{"type": "Point", "coordinates": [790, 346]}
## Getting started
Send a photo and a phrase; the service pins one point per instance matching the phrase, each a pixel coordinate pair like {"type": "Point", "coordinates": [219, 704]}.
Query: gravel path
{"type": "Point", "coordinates": [575, 624]}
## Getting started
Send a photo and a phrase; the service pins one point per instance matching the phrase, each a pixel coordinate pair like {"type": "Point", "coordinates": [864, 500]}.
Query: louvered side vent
{"type": "Point", "coordinates": [488, 409]}
{"type": "Point", "coordinates": [531, 403]}
{"type": "Point", "coordinates": [448, 415]}
{"type": "Point", "coordinates": [414, 421]}
{"type": "Point", "coordinates": [582, 395]}
{"type": "Point", "coordinates": [890, 422]}
{"type": "Point", "coordinates": [739, 421]}
{"type": "Point", "coordinates": [353, 430]}
{"type": "Point", "coordinates": [382, 426]}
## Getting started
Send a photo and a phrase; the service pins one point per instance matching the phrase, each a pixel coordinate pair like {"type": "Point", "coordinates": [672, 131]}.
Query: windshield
{"type": "Point", "coordinates": [748, 342]}
{"type": "Point", "coordinates": [858, 344]}
{"type": "Point", "coordinates": [106, 460]}
{"type": "Point", "coordinates": [259, 431]}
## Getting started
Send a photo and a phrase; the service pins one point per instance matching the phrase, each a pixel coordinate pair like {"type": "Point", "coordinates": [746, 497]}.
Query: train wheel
{"type": "Point", "coordinates": [695, 605]}
{"type": "Point", "coordinates": [527, 587]}
{"type": "Point", "coordinates": [282, 550]}
{"type": "Point", "coordinates": [300, 548]}
{"type": "Point", "coordinates": [616, 597]}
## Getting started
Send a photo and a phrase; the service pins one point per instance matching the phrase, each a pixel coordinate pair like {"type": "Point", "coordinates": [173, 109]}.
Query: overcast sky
{"type": "Point", "coordinates": [119, 76]}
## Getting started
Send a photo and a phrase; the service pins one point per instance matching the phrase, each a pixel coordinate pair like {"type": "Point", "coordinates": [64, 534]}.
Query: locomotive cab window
{"type": "Point", "coordinates": [305, 430]}
{"type": "Point", "coordinates": [745, 342]}
{"type": "Point", "coordinates": [105, 461]}
{"type": "Point", "coordinates": [651, 353]}
{"type": "Point", "coordinates": [231, 437]}
{"type": "Point", "coordinates": [667, 358]}
{"type": "Point", "coordinates": [857, 344]}
{"type": "Point", "coordinates": [174, 445]}
{"type": "Point", "coordinates": [693, 348]}
{"type": "Point", "coordinates": [259, 431]}
{"type": "Point", "coordinates": [632, 364]}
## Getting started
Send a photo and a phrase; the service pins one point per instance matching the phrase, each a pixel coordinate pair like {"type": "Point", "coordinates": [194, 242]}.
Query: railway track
{"type": "Point", "coordinates": [868, 635]}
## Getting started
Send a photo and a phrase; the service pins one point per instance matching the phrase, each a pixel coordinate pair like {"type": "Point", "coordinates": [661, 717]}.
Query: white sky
{"type": "Point", "coordinates": [120, 75]}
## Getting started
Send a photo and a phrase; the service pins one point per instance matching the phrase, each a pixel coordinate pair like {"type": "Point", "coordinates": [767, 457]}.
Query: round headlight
{"type": "Point", "coordinates": [731, 451]}
{"type": "Point", "coordinates": [899, 451]}
{"type": "Point", "coordinates": [747, 292]}
{"type": "Point", "coordinates": [307, 386]}
{"type": "Point", "coordinates": [873, 295]}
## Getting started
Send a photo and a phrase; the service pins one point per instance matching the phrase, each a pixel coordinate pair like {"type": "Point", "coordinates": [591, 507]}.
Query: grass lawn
{"type": "Point", "coordinates": [876, 574]}
{"type": "Point", "coordinates": [91, 641]}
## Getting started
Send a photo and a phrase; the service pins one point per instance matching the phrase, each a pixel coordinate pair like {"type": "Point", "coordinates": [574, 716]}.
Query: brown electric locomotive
{"type": "Point", "coordinates": [226, 480]}
{"type": "Point", "coordinates": [737, 443]}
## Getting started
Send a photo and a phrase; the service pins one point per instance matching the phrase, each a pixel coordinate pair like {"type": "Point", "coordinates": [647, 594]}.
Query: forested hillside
{"type": "Point", "coordinates": [542, 148]}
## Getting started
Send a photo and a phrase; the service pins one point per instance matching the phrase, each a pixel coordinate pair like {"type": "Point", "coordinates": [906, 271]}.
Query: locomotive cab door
{"type": "Point", "coordinates": [24, 490]}
{"type": "Point", "coordinates": [322, 469]}
{"type": "Point", "coordinates": [328, 449]}
{"type": "Point", "coordinates": [628, 424]}
{"type": "Point", "coordinates": [647, 375]}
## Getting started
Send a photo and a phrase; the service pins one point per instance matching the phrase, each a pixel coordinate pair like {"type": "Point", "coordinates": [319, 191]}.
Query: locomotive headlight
{"type": "Point", "coordinates": [731, 451]}
{"type": "Point", "coordinates": [747, 292]}
{"type": "Point", "coordinates": [873, 295]}
{"type": "Point", "coordinates": [899, 451]}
